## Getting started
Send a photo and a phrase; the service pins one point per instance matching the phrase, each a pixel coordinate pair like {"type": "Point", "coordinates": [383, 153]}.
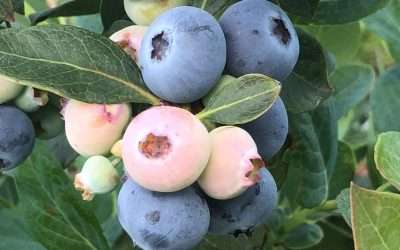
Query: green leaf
{"type": "Point", "coordinates": [311, 157]}
{"type": "Point", "coordinates": [8, 192]}
{"type": "Point", "coordinates": [304, 236]}
{"type": "Point", "coordinates": [14, 234]}
{"type": "Point", "coordinates": [375, 219]}
{"type": "Point", "coordinates": [352, 84]}
{"type": "Point", "coordinates": [105, 209]}
{"type": "Point", "coordinates": [303, 9]}
{"type": "Point", "coordinates": [111, 11]}
{"type": "Point", "coordinates": [70, 8]}
{"type": "Point", "coordinates": [343, 204]}
{"type": "Point", "coordinates": [88, 22]}
{"type": "Point", "coordinates": [216, 8]}
{"type": "Point", "coordinates": [385, 102]}
{"type": "Point", "coordinates": [53, 211]}
{"type": "Point", "coordinates": [344, 171]}
{"type": "Point", "coordinates": [116, 26]}
{"type": "Point", "coordinates": [326, 129]}
{"type": "Point", "coordinates": [341, 40]}
{"type": "Point", "coordinates": [334, 11]}
{"type": "Point", "coordinates": [7, 10]}
{"type": "Point", "coordinates": [336, 236]}
{"type": "Point", "coordinates": [387, 157]}
{"type": "Point", "coordinates": [241, 100]}
{"type": "Point", "coordinates": [386, 23]}
{"type": "Point", "coordinates": [19, 6]}
{"type": "Point", "coordinates": [308, 84]}
{"type": "Point", "coordinates": [73, 63]}
{"type": "Point", "coordinates": [242, 242]}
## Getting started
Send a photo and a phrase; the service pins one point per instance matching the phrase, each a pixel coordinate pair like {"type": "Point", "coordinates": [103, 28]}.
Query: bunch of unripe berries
{"type": "Point", "coordinates": [183, 180]}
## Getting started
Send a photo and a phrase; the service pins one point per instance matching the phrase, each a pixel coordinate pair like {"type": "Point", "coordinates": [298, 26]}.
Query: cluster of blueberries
{"type": "Point", "coordinates": [182, 180]}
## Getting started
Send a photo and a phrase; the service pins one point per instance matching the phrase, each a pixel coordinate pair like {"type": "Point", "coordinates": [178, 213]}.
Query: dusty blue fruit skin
{"type": "Point", "coordinates": [243, 213]}
{"type": "Point", "coordinates": [17, 137]}
{"type": "Point", "coordinates": [270, 130]}
{"type": "Point", "coordinates": [175, 221]}
{"type": "Point", "coordinates": [183, 54]}
{"type": "Point", "coordinates": [257, 42]}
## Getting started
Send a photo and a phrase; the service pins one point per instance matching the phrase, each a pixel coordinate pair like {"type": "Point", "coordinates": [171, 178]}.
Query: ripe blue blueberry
{"type": "Point", "coordinates": [243, 213]}
{"type": "Point", "coordinates": [183, 54]}
{"type": "Point", "coordinates": [156, 220]}
{"type": "Point", "coordinates": [270, 130]}
{"type": "Point", "coordinates": [17, 137]}
{"type": "Point", "coordinates": [260, 39]}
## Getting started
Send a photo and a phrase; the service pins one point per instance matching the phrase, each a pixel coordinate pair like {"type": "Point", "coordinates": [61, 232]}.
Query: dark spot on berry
{"type": "Point", "coordinates": [199, 28]}
{"type": "Point", "coordinates": [160, 45]}
{"type": "Point", "coordinates": [153, 217]}
{"type": "Point", "coordinates": [155, 146]}
{"type": "Point", "coordinates": [255, 32]}
{"type": "Point", "coordinates": [281, 31]}
{"type": "Point", "coordinates": [259, 63]}
{"type": "Point", "coordinates": [154, 240]}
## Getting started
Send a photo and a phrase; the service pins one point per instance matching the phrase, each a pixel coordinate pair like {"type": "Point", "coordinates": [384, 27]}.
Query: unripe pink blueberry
{"type": "Point", "coordinates": [130, 39]}
{"type": "Point", "coordinates": [98, 176]}
{"type": "Point", "coordinates": [234, 163]}
{"type": "Point", "coordinates": [165, 149]}
{"type": "Point", "coordinates": [92, 129]}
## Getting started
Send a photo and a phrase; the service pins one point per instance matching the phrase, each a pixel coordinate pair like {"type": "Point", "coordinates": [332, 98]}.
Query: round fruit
{"type": "Point", "coordinates": [260, 39]}
{"type": "Point", "coordinates": [165, 149]}
{"type": "Point", "coordinates": [130, 39]}
{"type": "Point", "coordinates": [98, 176]}
{"type": "Point", "coordinates": [30, 100]}
{"type": "Point", "coordinates": [183, 54]}
{"type": "Point", "coordinates": [167, 221]}
{"type": "Point", "coordinates": [92, 129]}
{"type": "Point", "coordinates": [234, 164]}
{"type": "Point", "coordinates": [17, 137]}
{"type": "Point", "coordinates": [143, 12]}
{"type": "Point", "coordinates": [8, 89]}
{"type": "Point", "coordinates": [270, 130]}
{"type": "Point", "coordinates": [243, 213]}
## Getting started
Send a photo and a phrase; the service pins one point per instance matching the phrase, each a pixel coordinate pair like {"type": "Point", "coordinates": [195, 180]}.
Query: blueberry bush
{"type": "Point", "coordinates": [199, 124]}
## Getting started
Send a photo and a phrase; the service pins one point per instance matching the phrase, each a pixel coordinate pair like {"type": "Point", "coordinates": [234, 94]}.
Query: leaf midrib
{"type": "Point", "coordinates": [128, 84]}
{"type": "Point", "coordinates": [205, 113]}
{"type": "Point", "coordinates": [61, 212]}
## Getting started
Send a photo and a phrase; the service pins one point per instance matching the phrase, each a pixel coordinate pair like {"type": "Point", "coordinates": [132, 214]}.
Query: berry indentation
{"type": "Point", "coordinates": [281, 31]}
{"type": "Point", "coordinates": [155, 146]}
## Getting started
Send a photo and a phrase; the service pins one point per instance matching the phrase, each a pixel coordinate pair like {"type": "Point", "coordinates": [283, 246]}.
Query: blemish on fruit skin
{"type": "Point", "coordinates": [154, 147]}
{"type": "Point", "coordinates": [160, 45]}
{"type": "Point", "coordinates": [280, 30]}
{"type": "Point", "coordinates": [153, 217]}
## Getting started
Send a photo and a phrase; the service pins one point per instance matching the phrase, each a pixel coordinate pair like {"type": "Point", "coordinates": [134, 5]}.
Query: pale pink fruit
{"type": "Point", "coordinates": [130, 39]}
{"type": "Point", "coordinates": [92, 129]}
{"type": "Point", "coordinates": [165, 149]}
{"type": "Point", "coordinates": [234, 163]}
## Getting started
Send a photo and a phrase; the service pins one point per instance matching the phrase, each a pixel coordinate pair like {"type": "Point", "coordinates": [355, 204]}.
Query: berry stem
{"type": "Point", "coordinates": [302, 216]}
{"type": "Point", "coordinates": [204, 4]}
